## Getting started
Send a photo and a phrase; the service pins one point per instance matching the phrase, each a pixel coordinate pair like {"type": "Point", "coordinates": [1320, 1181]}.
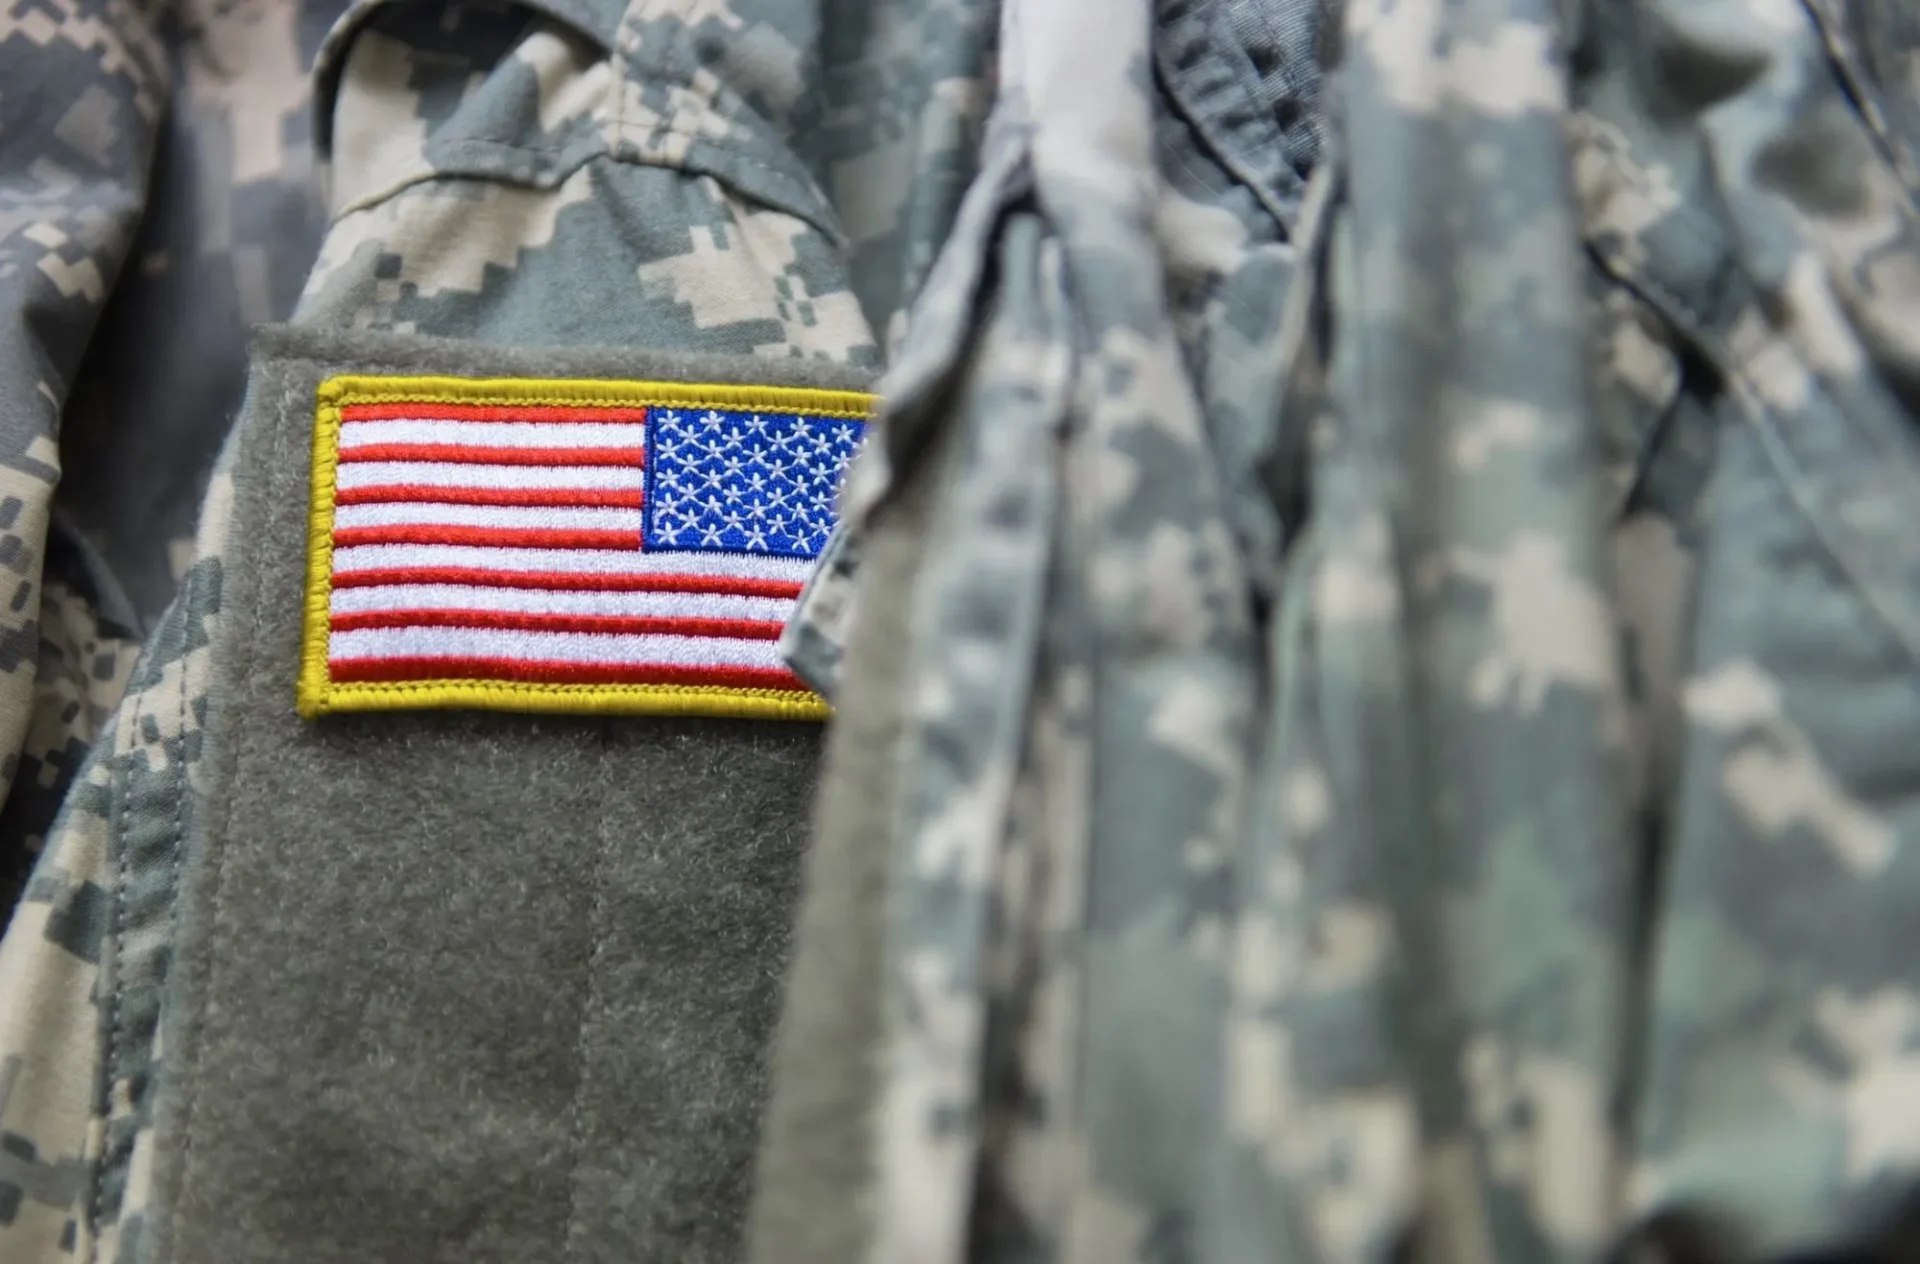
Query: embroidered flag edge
{"type": "Point", "coordinates": [319, 694]}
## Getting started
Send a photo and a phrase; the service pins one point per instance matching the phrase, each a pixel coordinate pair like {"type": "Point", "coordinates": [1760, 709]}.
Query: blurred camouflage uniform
{"type": "Point", "coordinates": [1428, 774]}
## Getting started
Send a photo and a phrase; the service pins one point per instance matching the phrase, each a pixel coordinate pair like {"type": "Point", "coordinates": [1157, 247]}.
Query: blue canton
{"type": "Point", "coordinates": [743, 482]}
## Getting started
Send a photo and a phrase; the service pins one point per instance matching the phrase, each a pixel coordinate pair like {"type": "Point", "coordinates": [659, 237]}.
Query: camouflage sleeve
{"type": "Point", "coordinates": [527, 176]}
{"type": "Point", "coordinates": [82, 965]}
{"type": "Point", "coordinates": [206, 193]}
{"type": "Point", "coordinates": [232, 220]}
{"type": "Point", "coordinates": [192, 208]}
{"type": "Point", "coordinates": [82, 89]}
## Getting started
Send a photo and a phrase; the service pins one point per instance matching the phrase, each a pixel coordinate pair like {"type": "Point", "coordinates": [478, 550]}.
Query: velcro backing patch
{"type": "Point", "coordinates": [566, 546]}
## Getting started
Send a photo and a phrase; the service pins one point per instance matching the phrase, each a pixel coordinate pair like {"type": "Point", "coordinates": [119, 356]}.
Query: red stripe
{"type": "Point", "coordinates": [486, 412]}
{"type": "Point", "coordinates": [491, 537]}
{"type": "Point", "coordinates": [736, 629]}
{"type": "Point", "coordinates": [473, 454]}
{"type": "Point", "coordinates": [424, 493]}
{"type": "Point", "coordinates": [565, 582]}
{"type": "Point", "coordinates": [425, 667]}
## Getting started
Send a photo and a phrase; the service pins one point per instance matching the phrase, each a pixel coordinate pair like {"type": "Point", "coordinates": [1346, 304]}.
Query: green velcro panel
{"type": "Point", "coordinates": [465, 986]}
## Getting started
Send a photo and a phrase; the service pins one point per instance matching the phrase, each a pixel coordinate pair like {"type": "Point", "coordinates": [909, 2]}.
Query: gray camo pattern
{"type": "Point", "coordinates": [157, 198]}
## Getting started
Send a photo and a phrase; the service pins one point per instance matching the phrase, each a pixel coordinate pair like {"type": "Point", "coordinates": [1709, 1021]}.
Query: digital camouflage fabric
{"type": "Point", "coordinates": [84, 964]}
{"type": "Point", "coordinates": [83, 93]}
{"type": "Point", "coordinates": [156, 198]}
{"type": "Point", "coordinates": [762, 179]}
{"type": "Point", "coordinates": [1081, 600]}
{"type": "Point", "coordinates": [1432, 780]}
{"type": "Point", "coordinates": [230, 221]}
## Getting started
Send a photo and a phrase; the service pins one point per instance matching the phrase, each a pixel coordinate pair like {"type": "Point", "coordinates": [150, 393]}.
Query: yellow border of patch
{"type": "Point", "coordinates": [318, 695]}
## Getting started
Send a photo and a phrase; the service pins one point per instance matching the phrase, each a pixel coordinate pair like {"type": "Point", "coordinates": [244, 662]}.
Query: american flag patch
{"type": "Point", "coordinates": [566, 546]}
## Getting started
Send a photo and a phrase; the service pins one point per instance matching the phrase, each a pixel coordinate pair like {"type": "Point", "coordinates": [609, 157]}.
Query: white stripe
{"type": "Point", "coordinates": [497, 434]}
{"type": "Point", "coordinates": [364, 557]}
{"type": "Point", "coordinates": [664, 605]}
{"type": "Point", "coordinates": [551, 518]}
{"type": "Point", "coordinates": [553, 647]}
{"type": "Point", "coordinates": [451, 474]}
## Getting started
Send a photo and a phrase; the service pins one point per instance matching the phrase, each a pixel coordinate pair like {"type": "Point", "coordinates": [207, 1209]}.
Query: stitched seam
{"type": "Point", "coordinates": [247, 652]}
{"type": "Point", "coordinates": [1204, 129]}
{"type": "Point", "coordinates": [1783, 462]}
{"type": "Point", "coordinates": [179, 845]}
{"type": "Point", "coordinates": [1786, 468]}
{"type": "Point", "coordinates": [561, 401]}
{"type": "Point", "coordinates": [1865, 96]}
{"type": "Point", "coordinates": [530, 687]}
{"type": "Point", "coordinates": [565, 165]}
{"type": "Point", "coordinates": [748, 394]}
{"type": "Point", "coordinates": [701, 138]}
{"type": "Point", "coordinates": [177, 870]}
{"type": "Point", "coordinates": [584, 140]}
{"type": "Point", "coordinates": [796, 705]}
{"type": "Point", "coordinates": [626, 151]}
{"type": "Point", "coordinates": [314, 681]}
{"type": "Point", "coordinates": [344, 391]}
{"type": "Point", "coordinates": [808, 206]}
{"type": "Point", "coordinates": [116, 995]}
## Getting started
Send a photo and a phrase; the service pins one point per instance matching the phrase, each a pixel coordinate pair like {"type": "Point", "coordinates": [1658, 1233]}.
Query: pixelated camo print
{"type": "Point", "coordinates": [1448, 797]}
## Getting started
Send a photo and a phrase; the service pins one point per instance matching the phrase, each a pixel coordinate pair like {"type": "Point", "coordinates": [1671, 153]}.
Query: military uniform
{"type": "Point", "coordinates": [1372, 646]}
